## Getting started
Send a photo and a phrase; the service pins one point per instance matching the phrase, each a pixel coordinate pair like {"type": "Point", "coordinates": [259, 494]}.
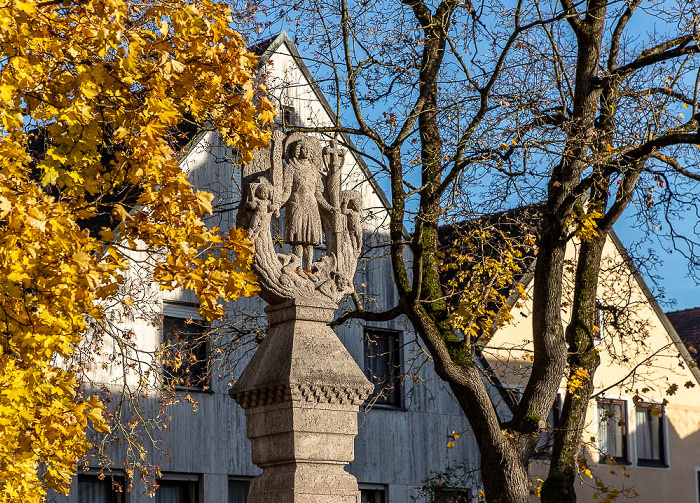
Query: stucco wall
{"type": "Point", "coordinates": [642, 360]}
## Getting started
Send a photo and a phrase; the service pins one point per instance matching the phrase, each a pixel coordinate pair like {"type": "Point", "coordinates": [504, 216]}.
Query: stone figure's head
{"type": "Point", "coordinates": [298, 150]}
{"type": "Point", "coordinates": [262, 191]}
{"type": "Point", "coordinates": [351, 201]}
{"type": "Point", "coordinates": [301, 147]}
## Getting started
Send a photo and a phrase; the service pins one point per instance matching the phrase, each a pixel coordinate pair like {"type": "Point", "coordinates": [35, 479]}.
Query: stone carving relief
{"type": "Point", "coordinates": [299, 176]}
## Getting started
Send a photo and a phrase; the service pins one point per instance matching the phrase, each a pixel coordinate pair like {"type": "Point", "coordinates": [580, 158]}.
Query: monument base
{"type": "Point", "coordinates": [301, 393]}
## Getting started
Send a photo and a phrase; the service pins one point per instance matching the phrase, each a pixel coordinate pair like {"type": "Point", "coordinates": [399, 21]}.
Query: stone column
{"type": "Point", "coordinates": [301, 393]}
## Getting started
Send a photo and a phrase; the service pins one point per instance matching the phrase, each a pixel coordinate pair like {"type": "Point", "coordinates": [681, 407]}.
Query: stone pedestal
{"type": "Point", "coordinates": [301, 393]}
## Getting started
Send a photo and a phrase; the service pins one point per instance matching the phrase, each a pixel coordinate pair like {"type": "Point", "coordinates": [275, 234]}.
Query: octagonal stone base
{"type": "Point", "coordinates": [301, 392]}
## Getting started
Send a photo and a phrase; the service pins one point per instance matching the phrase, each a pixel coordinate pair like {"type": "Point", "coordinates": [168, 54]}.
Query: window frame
{"type": "Point", "coordinates": [124, 494]}
{"type": "Point", "coordinates": [189, 314]}
{"type": "Point", "coordinates": [662, 436]}
{"type": "Point", "coordinates": [625, 459]}
{"type": "Point", "coordinates": [397, 370]}
{"type": "Point", "coordinates": [189, 478]}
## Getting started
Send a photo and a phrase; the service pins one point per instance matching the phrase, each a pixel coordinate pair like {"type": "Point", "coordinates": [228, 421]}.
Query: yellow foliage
{"type": "Point", "coordinates": [90, 94]}
{"type": "Point", "coordinates": [576, 380]}
{"type": "Point", "coordinates": [586, 223]}
{"type": "Point", "coordinates": [483, 283]}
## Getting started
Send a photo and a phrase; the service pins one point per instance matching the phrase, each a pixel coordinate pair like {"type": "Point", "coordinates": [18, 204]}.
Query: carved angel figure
{"type": "Point", "coordinates": [303, 196]}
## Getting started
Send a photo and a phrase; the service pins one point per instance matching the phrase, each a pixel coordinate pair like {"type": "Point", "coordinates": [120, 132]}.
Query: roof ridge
{"type": "Point", "coordinates": [697, 308]}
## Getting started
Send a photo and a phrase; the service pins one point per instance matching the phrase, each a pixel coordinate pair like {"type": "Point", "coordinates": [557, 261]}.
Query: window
{"type": "Point", "coordinates": [287, 117]}
{"type": "Point", "coordinates": [372, 494]}
{"type": "Point", "coordinates": [383, 366]}
{"type": "Point", "coordinates": [184, 359]}
{"type": "Point", "coordinates": [91, 489]}
{"type": "Point", "coordinates": [612, 429]}
{"type": "Point", "coordinates": [177, 491]}
{"type": "Point", "coordinates": [238, 490]}
{"type": "Point", "coordinates": [649, 421]}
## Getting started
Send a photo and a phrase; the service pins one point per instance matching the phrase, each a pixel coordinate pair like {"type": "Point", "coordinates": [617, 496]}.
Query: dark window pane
{"type": "Point", "coordinates": [372, 496]}
{"type": "Point", "coordinates": [177, 491]}
{"type": "Point", "coordinates": [612, 429]}
{"type": "Point", "coordinates": [287, 117]}
{"type": "Point", "coordinates": [383, 366]}
{"type": "Point", "coordinates": [93, 490]}
{"type": "Point", "coordinates": [238, 491]}
{"type": "Point", "coordinates": [186, 352]}
{"type": "Point", "coordinates": [650, 435]}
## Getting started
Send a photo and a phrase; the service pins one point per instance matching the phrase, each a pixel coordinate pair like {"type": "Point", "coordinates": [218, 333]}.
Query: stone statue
{"type": "Point", "coordinates": [301, 390]}
{"type": "Point", "coordinates": [303, 196]}
{"type": "Point", "coordinates": [295, 174]}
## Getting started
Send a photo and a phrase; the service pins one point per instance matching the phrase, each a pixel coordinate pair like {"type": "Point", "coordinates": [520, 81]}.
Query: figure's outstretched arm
{"type": "Point", "coordinates": [287, 192]}
{"type": "Point", "coordinates": [322, 202]}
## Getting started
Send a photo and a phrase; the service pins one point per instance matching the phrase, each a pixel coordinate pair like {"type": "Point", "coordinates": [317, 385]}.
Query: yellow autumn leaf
{"type": "Point", "coordinates": [5, 206]}
{"type": "Point", "coordinates": [120, 213]}
{"type": "Point", "coordinates": [97, 72]}
{"type": "Point", "coordinates": [96, 415]}
{"type": "Point", "coordinates": [6, 92]}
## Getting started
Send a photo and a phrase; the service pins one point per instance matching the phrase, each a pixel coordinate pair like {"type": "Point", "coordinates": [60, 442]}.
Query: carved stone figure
{"type": "Point", "coordinates": [351, 206]}
{"type": "Point", "coordinates": [289, 174]}
{"type": "Point", "coordinates": [301, 390]}
{"type": "Point", "coordinates": [303, 196]}
{"type": "Point", "coordinates": [261, 200]}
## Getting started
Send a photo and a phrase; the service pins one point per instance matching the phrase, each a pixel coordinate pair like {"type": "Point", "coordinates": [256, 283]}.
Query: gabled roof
{"type": "Point", "coordinates": [687, 325]}
{"type": "Point", "coordinates": [516, 224]}
{"type": "Point", "coordinates": [266, 49]}
{"type": "Point", "coordinates": [670, 329]}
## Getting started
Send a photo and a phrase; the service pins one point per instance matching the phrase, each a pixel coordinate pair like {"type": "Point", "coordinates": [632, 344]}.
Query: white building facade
{"type": "Point", "coordinates": [203, 455]}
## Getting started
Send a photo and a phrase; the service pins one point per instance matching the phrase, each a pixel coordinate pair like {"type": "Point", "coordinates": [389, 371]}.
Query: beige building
{"type": "Point", "coordinates": [642, 433]}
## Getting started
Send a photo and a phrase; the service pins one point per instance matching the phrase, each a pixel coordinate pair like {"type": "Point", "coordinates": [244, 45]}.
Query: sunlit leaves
{"type": "Point", "coordinates": [92, 95]}
{"type": "Point", "coordinates": [579, 376]}
{"type": "Point", "coordinates": [483, 281]}
{"type": "Point", "coordinates": [586, 223]}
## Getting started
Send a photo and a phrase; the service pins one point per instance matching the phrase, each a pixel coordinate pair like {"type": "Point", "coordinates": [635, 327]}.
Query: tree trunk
{"type": "Point", "coordinates": [560, 483]}
{"type": "Point", "coordinates": [504, 476]}
{"type": "Point", "coordinates": [503, 467]}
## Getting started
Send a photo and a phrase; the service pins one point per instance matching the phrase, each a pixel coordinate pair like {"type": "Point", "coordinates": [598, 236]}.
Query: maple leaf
{"type": "Point", "coordinates": [104, 77]}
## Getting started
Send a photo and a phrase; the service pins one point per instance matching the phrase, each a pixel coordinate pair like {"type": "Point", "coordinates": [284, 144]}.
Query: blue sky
{"type": "Point", "coordinates": [672, 270]}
